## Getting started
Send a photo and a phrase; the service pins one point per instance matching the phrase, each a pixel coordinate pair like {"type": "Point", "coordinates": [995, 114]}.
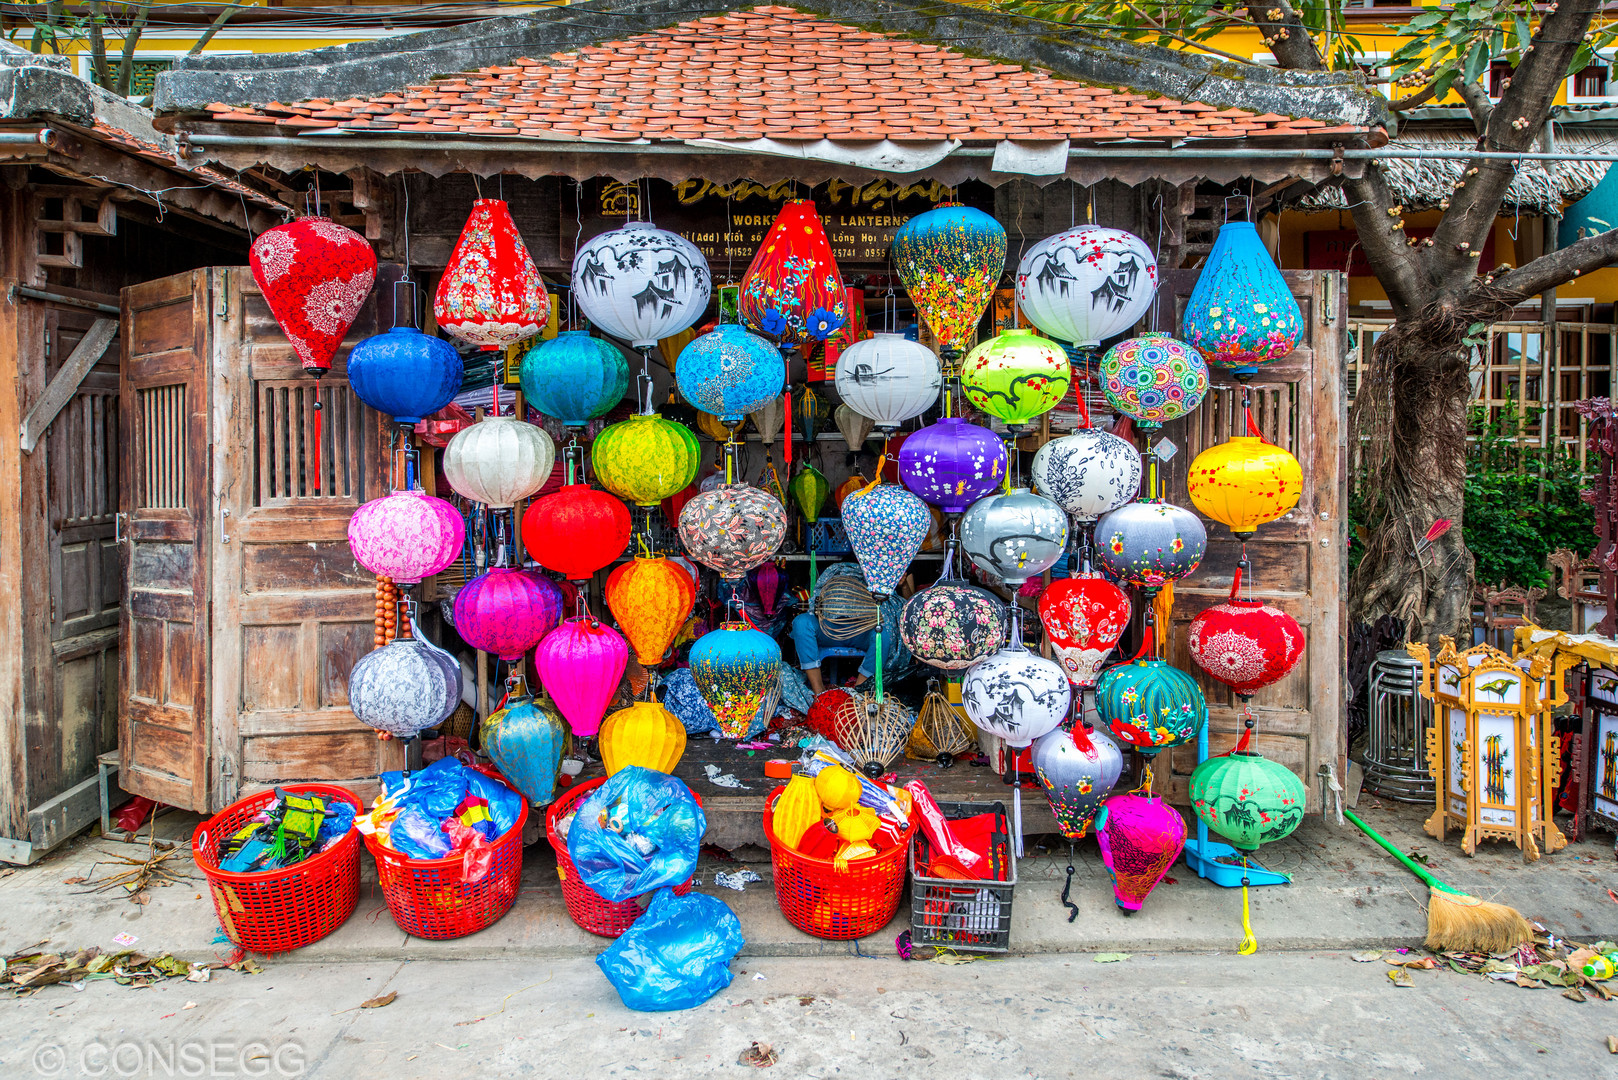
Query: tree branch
{"type": "Point", "coordinates": [1201, 46]}
{"type": "Point", "coordinates": [1414, 101]}
{"type": "Point", "coordinates": [1397, 265]}
{"type": "Point", "coordinates": [1562, 265]}
{"type": "Point", "coordinates": [1286, 36]}
{"type": "Point", "coordinates": [214, 27]}
{"type": "Point", "coordinates": [1477, 103]}
{"type": "Point", "coordinates": [98, 46]}
{"type": "Point", "coordinates": [126, 60]}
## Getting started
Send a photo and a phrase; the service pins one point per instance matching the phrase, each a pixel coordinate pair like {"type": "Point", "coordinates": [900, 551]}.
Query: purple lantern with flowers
{"type": "Point", "coordinates": [406, 536]}
{"type": "Point", "coordinates": [952, 464]}
{"type": "Point", "coordinates": [505, 612]}
{"type": "Point", "coordinates": [580, 663]}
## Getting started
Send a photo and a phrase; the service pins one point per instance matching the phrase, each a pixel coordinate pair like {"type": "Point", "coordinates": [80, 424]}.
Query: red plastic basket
{"type": "Point", "coordinates": [592, 911]}
{"type": "Point", "coordinates": [821, 900]}
{"type": "Point", "coordinates": [432, 898]}
{"type": "Point", "coordinates": [276, 910]}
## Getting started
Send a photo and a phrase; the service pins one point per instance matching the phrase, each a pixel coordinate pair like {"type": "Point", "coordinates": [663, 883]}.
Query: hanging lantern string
{"type": "Point", "coordinates": [314, 452]}
{"type": "Point", "coordinates": [1145, 784]}
{"type": "Point", "coordinates": [787, 420]}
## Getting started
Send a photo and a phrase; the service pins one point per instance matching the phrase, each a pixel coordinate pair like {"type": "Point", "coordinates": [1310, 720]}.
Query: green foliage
{"type": "Point", "coordinates": [1522, 502]}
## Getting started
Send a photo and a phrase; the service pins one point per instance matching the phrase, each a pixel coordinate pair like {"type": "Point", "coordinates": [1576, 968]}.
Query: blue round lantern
{"type": "Point", "coordinates": [525, 739]}
{"type": "Point", "coordinates": [574, 377]}
{"type": "Point", "coordinates": [1150, 704]}
{"type": "Point", "coordinates": [730, 372]}
{"type": "Point", "coordinates": [405, 373]}
{"type": "Point", "coordinates": [886, 526]}
{"type": "Point", "coordinates": [1241, 312]}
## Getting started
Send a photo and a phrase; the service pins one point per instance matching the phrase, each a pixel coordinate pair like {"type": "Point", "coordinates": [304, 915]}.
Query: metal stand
{"type": "Point", "coordinates": [1203, 854]}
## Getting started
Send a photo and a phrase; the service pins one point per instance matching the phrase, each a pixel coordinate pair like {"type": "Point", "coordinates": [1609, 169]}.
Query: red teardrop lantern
{"type": "Point", "coordinates": [491, 294]}
{"type": "Point", "coordinates": [314, 274]}
{"type": "Point", "coordinates": [1084, 616]}
{"type": "Point", "coordinates": [793, 290]}
{"type": "Point", "coordinates": [576, 531]}
{"type": "Point", "coordinates": [1245, 644]}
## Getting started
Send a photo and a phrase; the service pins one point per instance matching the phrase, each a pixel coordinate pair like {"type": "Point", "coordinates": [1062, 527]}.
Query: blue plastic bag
{"type": "Point", "coordinates": [676, 956]}
{"type": "Point", "coordinates": [639, 831]}
{"type": "Point", "coordinates": [439, 788]}
{"type": "Point", "coordinates": [417, 836]}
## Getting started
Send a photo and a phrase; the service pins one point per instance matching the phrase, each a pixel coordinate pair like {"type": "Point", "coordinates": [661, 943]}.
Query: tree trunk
{"type": "Point", "coordinates": [1412, 418]}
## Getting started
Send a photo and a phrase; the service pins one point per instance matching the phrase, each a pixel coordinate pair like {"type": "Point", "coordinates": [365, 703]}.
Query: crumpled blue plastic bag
{"type": "Point", "coordinates": [439, 788]}
{"type": "Point", "coordinates": [639, 831]}
{"type": "Point", "coordinates": [416, 836]}
{"type": "Point", "coordinates": [676, 956]}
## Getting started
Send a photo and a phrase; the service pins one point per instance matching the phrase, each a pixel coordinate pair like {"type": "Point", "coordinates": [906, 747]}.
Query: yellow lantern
{"type": "Point", "coordinates": [1244, 483]}
{"type": "Point", "coordinates": [711, 426]}
{"type": "Point", "coordinates": [644, 734]}
{"type": "Point", "coordinates": [838, 788]}
{"type": "Point", "coordinates": [669, 348]}
{"type": "Point", "coordinates": [796, 810]}
{"type": "Point", "coordinates": [645, 459]}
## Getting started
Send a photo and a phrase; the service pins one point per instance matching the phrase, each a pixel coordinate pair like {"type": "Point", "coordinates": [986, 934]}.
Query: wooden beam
{"type": "Point", "coordinates": [66, 381]}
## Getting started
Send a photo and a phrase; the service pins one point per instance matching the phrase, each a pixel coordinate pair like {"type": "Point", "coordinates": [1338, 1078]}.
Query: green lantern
{"type": "Point", "coordinates": [645, 459]}
{"type": "Point", "coordinates": [1150, 704]}
{"type": "Point", "coordinates": [1016, 376]}
{"type": "Point", "coordinates": [809, 490]}
{"type": "Point", "coordinates": [1247, 798]}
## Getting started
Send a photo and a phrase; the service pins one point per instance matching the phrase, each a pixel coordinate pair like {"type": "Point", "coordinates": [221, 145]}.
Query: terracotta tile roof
{"type": "Point", "coordinates": [156, 153]}
{"type": "Point", "coordinates": [771, 72]}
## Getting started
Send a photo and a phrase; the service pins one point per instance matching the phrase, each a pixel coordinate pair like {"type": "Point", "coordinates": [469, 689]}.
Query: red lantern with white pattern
{"type": "Point", "coordinates": [1246, 644]}
{"type": "Point", "coordinates": [1084, 616]}
{"type": "Point", "coordinates": [491, 294]}
{"type": "Point", "coordinates": [314, 274]}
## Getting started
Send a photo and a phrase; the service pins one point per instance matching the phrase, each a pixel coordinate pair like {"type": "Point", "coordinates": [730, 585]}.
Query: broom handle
{"type": "Point", "coordinates": [1410, 864]}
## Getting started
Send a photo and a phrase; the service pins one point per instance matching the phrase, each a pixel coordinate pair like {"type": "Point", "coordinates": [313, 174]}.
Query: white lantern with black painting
{"type": "Point", "coordinates": [1086, 284]}
{"type": "Point", "coordinates": [641, 283]}
{"type": "Point", "coordinates": [888, 378]}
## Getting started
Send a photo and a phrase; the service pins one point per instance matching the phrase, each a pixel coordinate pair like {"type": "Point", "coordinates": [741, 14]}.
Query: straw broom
{"type": "Point", "coordinates": [1457, 922]}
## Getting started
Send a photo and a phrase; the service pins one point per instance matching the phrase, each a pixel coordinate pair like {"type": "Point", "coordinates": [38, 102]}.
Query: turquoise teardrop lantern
{"type": "Point", "coordinates": [525, 739]}
{"type": "Point", "coordinates": [1150, 704]}
{"type": "Point", "coordinates": [1241, 313]}
{"type": "Point", "coordinates": [574, 377]}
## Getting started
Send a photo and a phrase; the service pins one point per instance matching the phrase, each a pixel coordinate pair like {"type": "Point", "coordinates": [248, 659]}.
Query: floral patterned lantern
{"type": "Point", "coordinates": [504, 611]}
{"type": "Point", "coordinates": [315, 275]}
{"type": "Point", "coordinates": [952, 464]}
{"type": "Point", "coordinates": [1245, 644]}
{"type": "Point", "coordinates": [405, 373]}
{"type": "Point", "coordinates": [1150, 705]}
{"type": "Point", "coordinates": [641, 283]}
{"type": "Point", "coordinates": [1154, 379]}
{"type": "Point", "coordinates": [526, 739]}
{"type": "Point", "coordinates": [1244, 483]}
{"type": "Point", "coordinates": [888, 378]}
{"type": "Point", "coordinates": [1015, 694]}
{"type": "Point", "coordinates": [1140, 837]}
{"type": "Point", "coordinates": [809, 490]}
{"type": "Point", "coordinates": [498, 461]}
{"type": "Point", "coordinates": [406, 536]}
{"type": "Point", "coordinates": [952, 625]}
{"type": "Point", "coordinates": [645, 459]}
{"type": "Point", "coordinates": [1241, 312]}
{"type": "Point", "coordinates": [1088, 473]}
{"type": "Point", "coordinates": [1077, 769]}
{"type": "Point", "coordinates": [1148, 542]}
{"type": "Point", "coordinates": [886, 526]}
{"type": "Point", "coordinates": [736, 668]}
{"type": "Point", "coordinates": [574, 377]}
{"type": "Point", "coordinates": [402, 688]}
{"type": "Point", "coordinates": [1016, 376]}
{"type": "Point", "coordinates": [1084, 616]}
{"type": "Point", "coordinates": [729, 373]}
{"type": "Point", "coordinates": [491, 294]}
{"type": "Point", "coordinates": [1086, 284]}
{"type": "Point", "coordinates": [1014, 536]}
{"type": "Point", "coordinates": [580, 663]}
{"type": "Point", "coordinates": [792, 290]}
{"type": "Point", "coordinates": [651, 598]}
{"type": "Point", "coordinates": [576, 531]}
{"type": "Point", "coordinates": [732, 528]}
{"type": "Point", "coordinates": [950, 259]}
{"type": "Point", "coordinates": [1247, 798]}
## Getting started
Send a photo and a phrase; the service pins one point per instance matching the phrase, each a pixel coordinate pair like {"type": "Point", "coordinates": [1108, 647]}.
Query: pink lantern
{"type": "Point", "coordinates": [767, 580]}
{"type": "Point", "coordinates": [314, 274]}
{"type": "Point", "coordinates": [491, 294]}
{"type": "Point", "coordinates": [580, 663]}
{"type": "Point", "coordinates": [406, 536]}
{"type": "Point", "coordinates": [505, 612]}
{"type": "Point", "coordinates": [1140, 837]}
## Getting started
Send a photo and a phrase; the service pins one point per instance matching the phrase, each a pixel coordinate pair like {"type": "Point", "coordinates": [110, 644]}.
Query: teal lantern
{"type": "Point", "coordinates": [525, 740]}
{"type": "Point", "coordinates": [1247, 798]}
{"type": "Point", "coordinates": [1150, 704]}
{"type": "Point", "coordinates": [730, 373]}
{"type": "Point", "coordinates": [1241, 312]}
{"type": "Point", "coordinates": [574, 377]}
{"type": "Point", "coordinates": [737, 669]}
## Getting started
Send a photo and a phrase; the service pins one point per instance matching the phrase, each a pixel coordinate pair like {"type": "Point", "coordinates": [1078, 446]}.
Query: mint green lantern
{"type": "Point", "coordinates": [1247, 798]}
{"type": "Point", "coordinates": [1016, 376]}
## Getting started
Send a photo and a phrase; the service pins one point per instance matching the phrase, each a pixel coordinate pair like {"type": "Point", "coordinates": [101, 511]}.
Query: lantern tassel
{"type": "Point", "coordinates": [1249, 942]}
{"type": "Point", "coordinates": [314, 451]}
{"type": "Point", "coordinates": [1084, 406]}
{"type": "Point", "coordinates": [1252, 428]}
{"type": "Point", "coordinates": [879, 663]}
{"type": "Point", "coordinates": [787, 420]}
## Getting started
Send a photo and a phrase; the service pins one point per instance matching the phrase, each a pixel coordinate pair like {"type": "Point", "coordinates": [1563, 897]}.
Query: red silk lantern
{"type": "Point", "coordinates": [491, 294]}
{"type": "Point", "coordinates": [793, 290]}
{"type": "Point", "coordinates": [676, 502]}
{"type": "Point", "coordinates": [1245, 644]}
{"type": "Point", "coordinates": [576, 531]}
{"type": "Point", "coordinates": [651, 599]}
{"type": "Point", "coordinates": [1084, 616]}
{"type": "Point", "coordinates": [314, 274]}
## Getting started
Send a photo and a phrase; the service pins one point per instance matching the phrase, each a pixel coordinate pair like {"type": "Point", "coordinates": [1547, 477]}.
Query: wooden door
{"type": "Point", "coordinates": [163, 392]}
{"type": "Point", "coordinates": [1298, 563]}
{"type": "Point", "coordinates": [293, 611]}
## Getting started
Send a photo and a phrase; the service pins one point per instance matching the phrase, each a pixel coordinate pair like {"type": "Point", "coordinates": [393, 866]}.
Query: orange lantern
{"type": "Point", "coordinates": [651, 598]}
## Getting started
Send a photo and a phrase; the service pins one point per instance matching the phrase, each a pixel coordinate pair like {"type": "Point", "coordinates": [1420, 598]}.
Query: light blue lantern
{"type": "Point", "coordinates": [886, 526]}
{"type": "Point", "coordinates": [730, 372]}
{"type": "Point", "coordinates": [405, 373]}
{"type": "Point", "coordinates": [1241, 313]}
{"type": "Point", "coordinates": [574, 377]}
{"type": "Point", "coordinates": [1150, 705]}
{"type": "Point", "coordinates": [525, 739]}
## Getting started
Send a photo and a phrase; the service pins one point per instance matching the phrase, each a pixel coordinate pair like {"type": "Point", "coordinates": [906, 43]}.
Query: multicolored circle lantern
{"type": "Point", "coordinates": [1015, 535]}
{"type": "Point", "coordinates": [1245, 644]}
{"type": "Point", "coordinates": [793, 290]}
{"type": "Point", "coordinates": [1088, 473]}
{"type": "Point", "coordinates": [1149, 542]}
{"type": "Point", "coordinates": [504, 611]}
{"type": "Point", "coordinates": [406, 536]}
{"type": "Point", "coordinates": [405, 373]}
{"type": "Point", "coordinates": [889, 378]}
{"type": "Point", "coordinates": [729, 373]}
{"type": "Point", "coordinates": [574, 377]}
{"type": "Point", "coordinates": [1247, 798]}
{"type": "Point", "coordinates": [491, 294]}
{"type": "Point", "coordinates": [1244, 483]}
{"type": "Point", "coordinates": [736, 668]}
{"type": "Point", "coordinates": [1016, 376]}
{"type": "Point", "coordinates": [950, 259]}
{"type": "Point", "coordinates": [886, 526]}
{"type": "Point", "coordinates": [580, 663]}
{"type": "Point", "coordinates": [640, 283]}
{"type": "Point", "coordinates": [1150, 705]}
{"type": "Point", "coordinates": [315, 275]}
{"type": "Point", "coordinates": [1241, 312]}
{"type": "Point", "coordinates": [651, 598]}
{"type": "Point", "coordinates": [498, 461]}
{"type": "Point", "coordinates": [1086, 284]}
{"type": "Point", "coordinates": [1154, 379]}
{"type": "Point", "coordinates": [952, 625]}
{"type": "Point", "coordinates": [952, 464]}
{"type": "Point", "coordinates": [576, 531]}
{"type": "Point", "coordinates": [732, 528]}
{"type": "Point", "coordinates": [645, 459]}
{"type": "Point", "coordinates": [1084, 616]}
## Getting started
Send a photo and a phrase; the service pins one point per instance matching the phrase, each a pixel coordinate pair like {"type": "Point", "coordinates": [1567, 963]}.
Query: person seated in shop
{"type": "Point", "coordinates": [812, 640]}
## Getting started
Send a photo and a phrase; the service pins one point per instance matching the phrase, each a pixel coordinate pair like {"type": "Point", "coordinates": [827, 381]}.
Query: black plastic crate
{"type": "Point", "coordinates": [953, 913]}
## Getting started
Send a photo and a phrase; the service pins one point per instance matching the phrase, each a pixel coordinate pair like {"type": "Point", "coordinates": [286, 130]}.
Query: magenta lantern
{"type": "Point", "coordinates": [406, 536]}
{"type": "Point", "coordinates": [505, 612]}
{"type": "Point", "coordinates": [580, 663]}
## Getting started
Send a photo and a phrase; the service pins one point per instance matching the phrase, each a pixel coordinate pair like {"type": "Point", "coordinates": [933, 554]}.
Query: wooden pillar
{"type": "Point", "coordinates": [17, 325]}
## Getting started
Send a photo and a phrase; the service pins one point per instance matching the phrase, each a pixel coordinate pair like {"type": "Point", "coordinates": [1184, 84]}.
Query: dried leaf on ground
{"type": "Point", "coordinates": [1572, 994]}
{"type": "Point", "coordinates": [1400, 977]}
{"type": "Point", "coordinates": [1112, 957]}
{"type": "Point", "coordinates": [380, 1002]}
{"type": "Point", "coordinates": [1367, 957]}
{"type": "Point", "coordinates": [759, 1055]}
{"type": "Point", "coordinates": [1612, 1044]}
